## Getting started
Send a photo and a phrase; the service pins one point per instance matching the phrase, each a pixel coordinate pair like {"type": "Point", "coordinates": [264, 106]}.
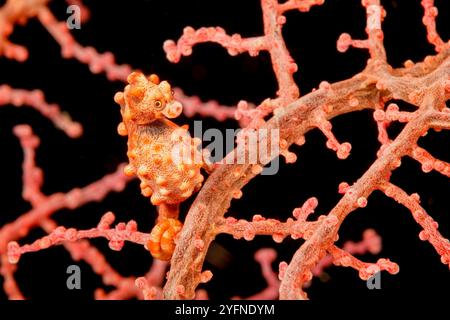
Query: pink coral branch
{"type": "Point", "coordinates": [10, 285]}
{"type": "Point", "coordinates": [234, 44]}
{"type": "Point", "coordinates": [16, 11]}
{"type": "Point", "coordinates": [366, 270]}
{"type": "Point", "coordinates": [149, 292]}
{"type": "Point", "coordinates": [82, 250]}
{"type": "Point", "coordinates": [375, 176]}
{"type": "Point", "coordinates": [12, 12]}
{"type": "Point", "coordinates": [259, 225]}
{"type": "Point", "coordinates": [429, 20]}
{"type": "Point", "coordinates": [193, 106]}
{"type": "Point", "coordinates": [32, 175]}
{"type": "Point", "coordinates": [393, 113]}
{"type": "Point", "coordinates": [301, 5]}
{"type": "Point", "coordinates": [213, 200]}
{"type": "Point", "coordinates": [371, 243]}
{"type": "Point", "coordinates": [105, 62]}
{"type": "Point", "coordinates": [151, 283]}
{"type": "Point", "coordinates": [131, 287]}
{"type": "Point", "coordinates": [84, 11]}
{"type": "Point", "coordinates": [374, 42]}
{"type": "Point", "coordinates": [430, 163]}
{"type": "Point", "coordinates": [36, 100]}
{"type": "Point", "coordinates": [272, 41]}
{"type": "Point", "coordinates": [342, 149]}
{"type": "Point", "coordinates": [97, 62]}
{"type": "Point", "coordinates": [117, 237]}
{"type": "Point", "coordinates": [58, 201]}
{"type": "Point", "coordinates": [32, 182]}
{"type": "Point", "coordinates": [265, 257]}
{"type": "Point", "coordinates": [382, 124]}
{"type": "Point", "coordinates": [430, 231]}
{"type": "Point", "coordinates": [441, 120]}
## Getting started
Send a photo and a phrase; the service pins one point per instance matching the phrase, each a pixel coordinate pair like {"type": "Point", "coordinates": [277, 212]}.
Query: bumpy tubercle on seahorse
{"type": "Point", "coordinates": [163, 155]}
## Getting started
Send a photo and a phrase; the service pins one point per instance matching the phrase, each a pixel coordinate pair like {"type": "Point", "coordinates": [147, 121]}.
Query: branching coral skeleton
{"type": "Point", "coordinates": [425, 85]}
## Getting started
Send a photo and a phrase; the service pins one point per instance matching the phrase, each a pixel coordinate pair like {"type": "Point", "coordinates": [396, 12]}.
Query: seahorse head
{"type": "Point", "coordinates": [146, 99]}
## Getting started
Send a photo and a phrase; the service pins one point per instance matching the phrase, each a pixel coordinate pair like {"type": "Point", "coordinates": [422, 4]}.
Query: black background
{"type": "Point", "coordinates": [134, 31]}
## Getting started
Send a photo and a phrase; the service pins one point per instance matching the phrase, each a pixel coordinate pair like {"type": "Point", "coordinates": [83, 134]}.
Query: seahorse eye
{"type": "Point", "coordinates": [158, 105]}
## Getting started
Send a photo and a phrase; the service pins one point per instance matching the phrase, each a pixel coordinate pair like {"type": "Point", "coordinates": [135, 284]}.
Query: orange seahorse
{"type": "Point", "coordinates": [161, 154]}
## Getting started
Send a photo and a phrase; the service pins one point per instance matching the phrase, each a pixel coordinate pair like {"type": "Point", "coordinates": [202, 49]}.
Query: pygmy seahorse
{"type": "Point", "coordinates": [161, 154]}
